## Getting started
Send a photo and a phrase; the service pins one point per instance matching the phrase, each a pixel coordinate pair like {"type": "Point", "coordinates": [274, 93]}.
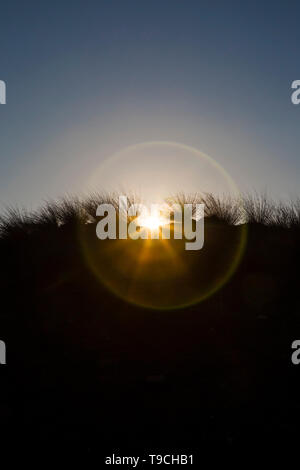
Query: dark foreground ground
{"type": "Point", "coordinates": [88, 373]}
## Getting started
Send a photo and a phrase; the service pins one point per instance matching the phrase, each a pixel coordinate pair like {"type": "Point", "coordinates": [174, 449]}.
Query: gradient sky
{"type": "Point", "coordinates": [88, 78]}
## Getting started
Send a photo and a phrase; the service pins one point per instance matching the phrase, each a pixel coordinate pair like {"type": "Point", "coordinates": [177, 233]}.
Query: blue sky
{"type": "Point", "coordinates": [88, 78]}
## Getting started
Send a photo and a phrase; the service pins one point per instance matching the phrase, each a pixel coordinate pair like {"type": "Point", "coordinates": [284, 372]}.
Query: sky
{"type": "Point", "coordinates": [86, 79]}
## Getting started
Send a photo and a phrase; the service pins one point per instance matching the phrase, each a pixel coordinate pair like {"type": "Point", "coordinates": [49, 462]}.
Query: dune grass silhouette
{"type": "Point", "coordinates": [85, 363]}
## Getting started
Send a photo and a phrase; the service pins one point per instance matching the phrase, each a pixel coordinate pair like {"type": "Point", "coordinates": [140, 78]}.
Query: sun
{"type": "Point", "coordinates": [152, 221]}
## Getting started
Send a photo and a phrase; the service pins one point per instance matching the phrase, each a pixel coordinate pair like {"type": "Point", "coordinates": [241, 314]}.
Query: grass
{"type": "Point", "coordinates": [69, 211]}
{"type": "Point", "coordinates": [78, 353]}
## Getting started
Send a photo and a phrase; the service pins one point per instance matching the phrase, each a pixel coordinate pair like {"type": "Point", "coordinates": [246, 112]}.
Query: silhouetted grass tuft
{"type": "Point", "coordinates": [70, 211]}
{"type": "Point", "coordinates": [80, 352]}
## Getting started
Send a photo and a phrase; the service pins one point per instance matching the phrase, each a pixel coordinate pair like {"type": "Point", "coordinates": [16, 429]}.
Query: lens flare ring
{"type": "Point", "coordinates": [160, 274]}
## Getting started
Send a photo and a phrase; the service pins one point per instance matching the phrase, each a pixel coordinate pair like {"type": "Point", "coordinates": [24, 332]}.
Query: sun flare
{"type": "Point", "coordinates": [152, 221]}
